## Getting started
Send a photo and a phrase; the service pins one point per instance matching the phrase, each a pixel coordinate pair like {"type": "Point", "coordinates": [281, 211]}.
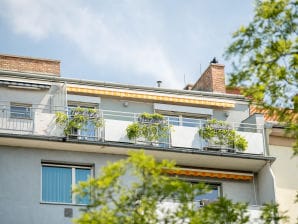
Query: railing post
{"type": "Point", "coordinates": [170, 134]}
{"type": "Point", "coordinates": [33, 120]}
{"type": "Point", "coordinates": [103, 128]}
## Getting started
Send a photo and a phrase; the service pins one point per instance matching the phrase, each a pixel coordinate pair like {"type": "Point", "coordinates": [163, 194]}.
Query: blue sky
{"type": "Point", "coordinates": [124, 41]}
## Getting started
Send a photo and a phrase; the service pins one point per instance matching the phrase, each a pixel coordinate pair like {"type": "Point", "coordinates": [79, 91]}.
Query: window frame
{"type": "Point", "coordinates": [77, 133]}
{"type": "Point", "coordinates": [206, 182]}
{"type": "Point", "coordinates": [26, 106]}
{"type": "Point", "coordinates": [181, 120]}
{"type": "Point", "coordinates": [73, 167]}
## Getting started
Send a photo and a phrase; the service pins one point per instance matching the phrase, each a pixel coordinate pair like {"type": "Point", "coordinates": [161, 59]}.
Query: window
{"type": "Point", "coordinates": [58, 181]}
{"type": "Point", "coordinates": [204, 199]}
{"type": "Point", "coordinates": [186, 121]}
{"type": "Point", "coordinates": [18, 110]}
{"type": "Point", "coordinates": [210, 196]}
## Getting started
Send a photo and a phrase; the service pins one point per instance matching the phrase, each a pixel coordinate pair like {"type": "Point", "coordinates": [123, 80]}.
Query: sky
{"type": "Point", "coordinates": [124, 41]}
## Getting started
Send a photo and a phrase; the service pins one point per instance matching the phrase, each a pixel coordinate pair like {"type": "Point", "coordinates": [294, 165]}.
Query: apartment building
{"type": "Point", "coordinates": [40, 161]}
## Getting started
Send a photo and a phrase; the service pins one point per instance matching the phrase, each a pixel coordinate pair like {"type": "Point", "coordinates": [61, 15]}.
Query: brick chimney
{"type": "Point", "coordinates": [213, 79]}
{"type": "Point", "coordinates": [28, 64]}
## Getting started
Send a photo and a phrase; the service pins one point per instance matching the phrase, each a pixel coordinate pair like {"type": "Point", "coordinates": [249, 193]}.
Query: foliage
{"type": "Point", "coordinates": [265, 56]}
{"type": "Point", "coordinates": [133, 191]}
{"type": "Point", "coordinates": [78, 118]}
{"type": "Point", "coordinates": [220, 133]}
{"type": "Point", "coordinates": [271, 214]}
{"type": "Point", "coordinates": [152, 127]}
{"type": "Point", "coordinates": [114, 200]}
{"type": "Point", "coordinates": [222, 211]}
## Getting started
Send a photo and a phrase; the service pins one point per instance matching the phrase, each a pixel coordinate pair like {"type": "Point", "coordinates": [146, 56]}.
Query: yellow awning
{"type": "Point", "coordinates": [211, 174]}
{"type": "Point", "coordinates": [149, 96]}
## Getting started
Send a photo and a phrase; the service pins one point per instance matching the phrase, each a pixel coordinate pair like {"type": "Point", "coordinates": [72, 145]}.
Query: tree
{"type": "Point", "coordinates": [265, 60]}
{"type": "Point", "coordinates": [134, 190]}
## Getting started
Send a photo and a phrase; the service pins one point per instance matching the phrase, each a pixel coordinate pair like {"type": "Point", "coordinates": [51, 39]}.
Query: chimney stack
{"type": "Point", "coordinates": [158, 83]}
{"type": "Point", "coordinates": [213, 79]}
{"type": "Point", "coordinates": [29, 64]}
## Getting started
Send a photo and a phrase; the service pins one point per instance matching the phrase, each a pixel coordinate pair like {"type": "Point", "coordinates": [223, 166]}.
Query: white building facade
{"type": "Point", "coordinates": [39, 165]}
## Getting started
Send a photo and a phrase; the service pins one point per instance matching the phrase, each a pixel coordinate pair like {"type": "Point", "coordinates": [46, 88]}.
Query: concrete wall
{"type": "Point", "coordinates": [25, 96]}
{"type": "Point", "coordinates": [237, 114]}
{"type": "Point", "coordinates": [240, 191]}
{"type": "Point", "coordinates": [286, 178]}
{"type": "Point", "coordinates": [118, 105]}
{"type": "Point", "coordinates": [266, 185]}
{"type": "Point", "coordinates": [20, 185]}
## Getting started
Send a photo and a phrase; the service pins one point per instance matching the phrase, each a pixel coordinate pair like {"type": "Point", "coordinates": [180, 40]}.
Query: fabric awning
{"type": "Point", "coordinates": [24, 84]}
{"type": "Point", "coordinates": [211, 174]}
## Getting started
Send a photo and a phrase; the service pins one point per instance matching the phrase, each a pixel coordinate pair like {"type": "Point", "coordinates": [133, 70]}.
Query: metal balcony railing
{"type": "Point", "coordinates": [40, 120]}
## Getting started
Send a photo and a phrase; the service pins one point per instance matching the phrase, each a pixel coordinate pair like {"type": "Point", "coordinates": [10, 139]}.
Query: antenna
{"type": "Point", "coordinates": [184, 80]}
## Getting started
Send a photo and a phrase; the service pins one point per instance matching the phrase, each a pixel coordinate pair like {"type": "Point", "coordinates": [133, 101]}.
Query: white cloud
{"type": "Point", "coordinates": [127, 37]}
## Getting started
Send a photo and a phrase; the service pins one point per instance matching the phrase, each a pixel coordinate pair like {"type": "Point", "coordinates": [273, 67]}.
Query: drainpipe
{"type": "Point", "coordinates": [267, 132]}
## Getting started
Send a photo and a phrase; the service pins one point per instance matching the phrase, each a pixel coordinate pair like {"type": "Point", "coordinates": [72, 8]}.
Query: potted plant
{"type": "Point", "coordinates": [151, 127]}
{"type": "Point", "coordinates": [220, 135]}
{"type": "Point", "coordinates": [77, 119]}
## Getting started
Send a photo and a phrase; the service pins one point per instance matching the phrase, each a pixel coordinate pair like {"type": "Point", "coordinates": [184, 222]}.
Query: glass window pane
{"type": "Point", "coordinates": [56, 184]}
{"type": "Point", "coordinates": [82, 175]}
{"type": "Point", "coordinates": [174, 120]}
{"type": "Point", "coordinates": [20, 112]}
{"type": "Point", "coordinates": [190, 122]}
{"type": "Point", "coordinates": [210, 196]}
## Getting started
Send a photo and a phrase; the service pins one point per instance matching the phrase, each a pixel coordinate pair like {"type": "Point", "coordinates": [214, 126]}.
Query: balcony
{"type": "Point", "coordinates": [39, 120]}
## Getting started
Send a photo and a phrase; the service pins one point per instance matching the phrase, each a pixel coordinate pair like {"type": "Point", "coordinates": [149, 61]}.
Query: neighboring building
{"type": "Point", "coordinates": [285, 168]}
{"type": "Point", "coordinates": [38, 165]}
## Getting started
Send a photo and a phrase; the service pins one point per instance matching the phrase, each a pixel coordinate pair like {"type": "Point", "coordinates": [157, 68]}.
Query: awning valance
{"type": "Point", "coordinates": [24, 84]}
{"type": "Point", "coordinates": [211, 174]}
{"type": "Point", "coordinates": [155, 97]}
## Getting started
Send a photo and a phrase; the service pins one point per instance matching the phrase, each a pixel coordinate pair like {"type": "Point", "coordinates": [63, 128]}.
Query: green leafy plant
{"type": "Point", "coordinates": [115, 199]}
{"type": "Point", "coordinates": [78, 118]}
{"type": "Point", "coordinates": [220, 133]}
{"type": "Point", "coordinates": [272, 214]}
{"type": "Point", "coordinates": [152, 127]}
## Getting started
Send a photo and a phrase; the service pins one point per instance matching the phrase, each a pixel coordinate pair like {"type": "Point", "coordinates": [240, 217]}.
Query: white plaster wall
{"type": "Point", "coordinates": [24, 96]}
{"type": "Point", "coordinates": [237, 114]}
{"type": "Point", "coordinates": [266, 185]}
{"type": "Point", "coordinates": [285, 169]}
{"type": "Point", "coordinates": [240, 191]}
{"type": "Point", "coordinates": [117, 105]}
{"type": "Point", "coordinates": [20, 184]}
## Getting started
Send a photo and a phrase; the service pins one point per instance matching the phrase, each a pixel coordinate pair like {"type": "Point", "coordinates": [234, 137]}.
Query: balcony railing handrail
{"type": "Point", "coordinates": [108, 114]}
{"type": "Point", "coordinates": [14, 121]}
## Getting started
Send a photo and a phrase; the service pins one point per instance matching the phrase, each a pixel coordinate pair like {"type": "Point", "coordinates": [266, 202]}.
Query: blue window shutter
{"type": "Point", "coordinates": [82, 175]}
{"type": "Point", "coordinates": [56, 184]}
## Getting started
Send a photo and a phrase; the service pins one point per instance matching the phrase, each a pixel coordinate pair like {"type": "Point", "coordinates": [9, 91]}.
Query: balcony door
{"type": "Point", "coordinates": [87, 132]}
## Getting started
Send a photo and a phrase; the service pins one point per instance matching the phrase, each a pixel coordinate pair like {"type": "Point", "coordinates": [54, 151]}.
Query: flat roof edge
{"type": "Point", "coordinates": [133, 146]}
{"type": "Point", "coordinates": [48, 77]}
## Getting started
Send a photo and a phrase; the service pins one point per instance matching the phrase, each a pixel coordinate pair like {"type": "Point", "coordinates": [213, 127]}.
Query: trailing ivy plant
{"type": "Point", "coordinates": [152, 127]}
{"type": "Point", "coordinates": [78, 118]}
{"type": "Point", "coordinates": [221, 133]}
